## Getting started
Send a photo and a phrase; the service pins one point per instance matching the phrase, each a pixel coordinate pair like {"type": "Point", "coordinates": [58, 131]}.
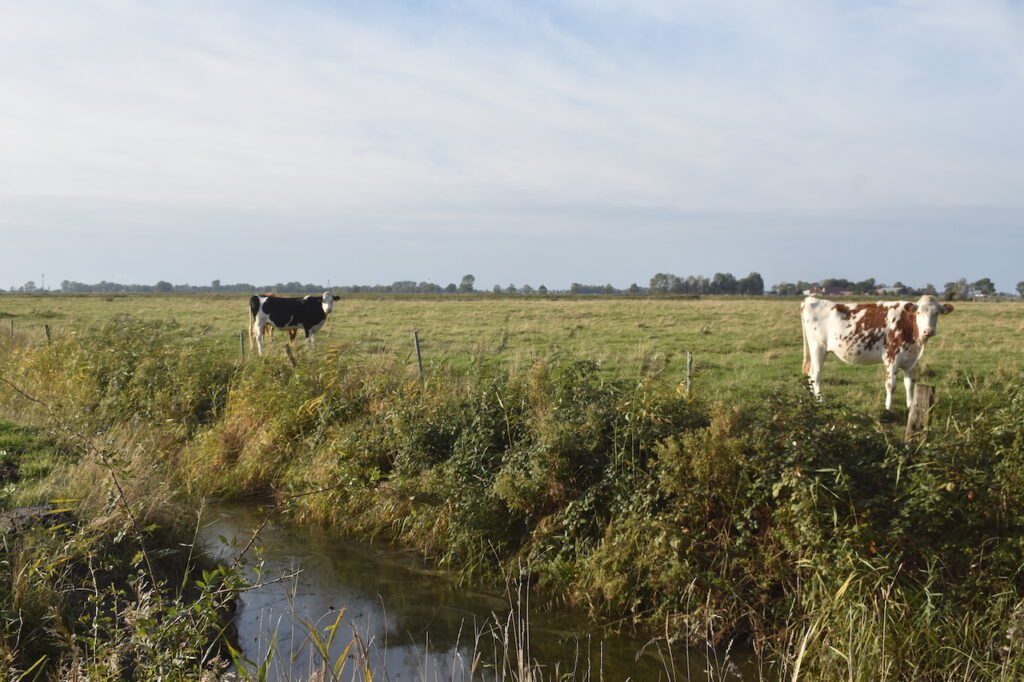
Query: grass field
{"type": "Point", "coordinates": [742, 348]}
{"type": "Point", "coordinates": [551, 438]}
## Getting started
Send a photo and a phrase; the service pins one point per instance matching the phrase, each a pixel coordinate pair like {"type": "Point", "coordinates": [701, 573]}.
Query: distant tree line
{"type": "Point", "coordinates": [865, 287]}
{"type": "Point", "coordinates": [721, 283]}
{"type": "Point", "coordinates": [661, 283]}
{"type": "Point", "coordinates": [162, 287]}
{"type": "Point", "coordinates": [961, 289]}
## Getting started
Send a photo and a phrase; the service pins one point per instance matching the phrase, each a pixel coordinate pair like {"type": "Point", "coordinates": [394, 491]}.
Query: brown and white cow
{"type": "Point", "coordinates": [890, 332]}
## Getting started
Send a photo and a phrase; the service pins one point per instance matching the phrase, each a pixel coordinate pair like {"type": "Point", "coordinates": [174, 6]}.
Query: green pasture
{"type": "Point", "coordinates": [742, 348]}
{"type": "Point", "coordinates": [812, 531]}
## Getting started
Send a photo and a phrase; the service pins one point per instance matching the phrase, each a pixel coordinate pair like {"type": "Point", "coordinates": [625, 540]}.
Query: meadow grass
{"type": "Point", "coordinates": [551, 438]}
{"type": "Point", "coordinates": [743, 348]}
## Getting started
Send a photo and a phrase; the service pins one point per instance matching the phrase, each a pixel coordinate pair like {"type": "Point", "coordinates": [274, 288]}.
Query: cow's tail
{"type": "Point", "coordinates": [807, 353]}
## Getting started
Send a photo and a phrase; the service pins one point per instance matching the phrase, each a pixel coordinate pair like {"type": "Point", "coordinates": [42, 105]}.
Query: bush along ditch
{"type": "Point", "coordinates": [91, 591]}
{"type": "Point", "coordinates": [806, 530]}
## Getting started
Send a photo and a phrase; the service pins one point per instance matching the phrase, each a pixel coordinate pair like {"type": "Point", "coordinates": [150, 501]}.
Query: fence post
{"type": "Point", "coordinates": [689, 371]}
{"type": "Point", "coordinates": [416, 344]}
{"type": "Point", "coordinates": [917, 414]}
{"type": "Point", "coordinates": [12, 327]}
{"type": "Point", "coordinates": [46, 328]}
{"type": "Point", "coordinates": [241, 345]}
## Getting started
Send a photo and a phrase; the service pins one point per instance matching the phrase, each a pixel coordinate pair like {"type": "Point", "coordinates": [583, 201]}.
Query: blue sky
{"type": "Point", "coordinates": [528, 142]}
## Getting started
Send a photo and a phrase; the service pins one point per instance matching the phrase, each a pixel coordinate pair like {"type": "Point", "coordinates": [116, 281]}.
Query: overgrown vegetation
{"type": "Point", "coordinates": [98, 575]}
{"type": "Point", "coordinates": [809, 530]}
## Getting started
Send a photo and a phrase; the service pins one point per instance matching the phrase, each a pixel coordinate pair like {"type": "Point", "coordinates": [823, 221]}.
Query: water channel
{"type": "Point", "coordinates": [411, 623]}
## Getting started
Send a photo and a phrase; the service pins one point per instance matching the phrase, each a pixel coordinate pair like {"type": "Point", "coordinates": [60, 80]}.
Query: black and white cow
{"type": "Point", "coordinates": [307, 313]}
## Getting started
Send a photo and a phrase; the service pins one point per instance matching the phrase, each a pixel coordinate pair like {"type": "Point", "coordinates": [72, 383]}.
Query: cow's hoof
{"type": "Point", "coordinates": [888, 417]}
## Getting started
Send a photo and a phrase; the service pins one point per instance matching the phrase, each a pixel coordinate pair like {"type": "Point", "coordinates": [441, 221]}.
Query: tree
{"type": "Point", "coordinates": [163, 287]}
{"type": "Point", "coordinates": [958, 290]}
{"type": "Point", "coordinates": [510, 289]}
{"type": "Point", "coordinates": [866, 286]}
{"type": "Point", "coordinates": [405, 286]}
{"type": "Point", "coordinates": [785, 289]}
{"type": "Point", "coordinates": [497, 289]}
{"type": "Point", "coordinates": [1020, 288]}
{"type": "Point", "coordinates": [526, 289]}
{"type": "Point", "coordinates": [542, 289]}
{"type": "Point", "coordinates": [838, 283]}
{"type": "Point", "coordinates": [451, 288]}
{"type": "Point", "coordinates": [466, 287]}
{"type": "Point", "coordinates": [984, 286]}
{"type": "Point", "coordinates": [663, 283]}
{"type": "Point", "coordinates": [752, 285]}
{"type": "Point", "coordinates": [723, 283]}
{"type": "Point", "coordinates": [634, 288]}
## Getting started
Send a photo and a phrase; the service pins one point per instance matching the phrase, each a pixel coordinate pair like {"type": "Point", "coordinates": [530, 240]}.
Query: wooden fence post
{"type": "Point", "coordinates": [689, 371]}
{"type": "Point", "coordinates": [241, 345]}
{"type": "Point", "coordinates": [416, 344]}
{"type": "Point", "coordinates": [917, 415]}
{"type": "Point", "coordinates": [12, 327]}
{"type": "Point", "coordinates": [46, 328]}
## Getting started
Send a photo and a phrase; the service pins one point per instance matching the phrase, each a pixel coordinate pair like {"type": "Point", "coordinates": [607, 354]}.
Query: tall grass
{"type": "Point", "coordinates": [807, 530]}
{"type": "Point", "coordinates": [101, 583]}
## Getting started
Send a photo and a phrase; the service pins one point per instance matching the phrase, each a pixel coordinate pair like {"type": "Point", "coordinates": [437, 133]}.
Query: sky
{"type": "Point", "coordinates": [548, 142]}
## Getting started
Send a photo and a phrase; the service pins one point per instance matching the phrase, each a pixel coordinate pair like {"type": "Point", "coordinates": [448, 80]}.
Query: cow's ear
{"type": "Point", "coordinates": [911, 307]}
{"type": "Point", "coordinates": [337, 298]}
{"type": "Point", "coordinates": [947, 308]}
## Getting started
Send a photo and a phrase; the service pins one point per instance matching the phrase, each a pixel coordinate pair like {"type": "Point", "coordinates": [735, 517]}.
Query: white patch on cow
{"type": "Point", "coordinates": [260, 322]}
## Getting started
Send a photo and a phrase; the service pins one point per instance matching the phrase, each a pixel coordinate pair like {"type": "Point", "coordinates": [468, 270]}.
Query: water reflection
{"type": "Point", "coordinates": [408, 623]}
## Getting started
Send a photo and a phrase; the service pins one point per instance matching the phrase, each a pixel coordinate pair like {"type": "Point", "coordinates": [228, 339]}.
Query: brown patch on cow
{"type": "Point", "coordinates": [872, 316]}
{"type": "Point", "coordinates": [843, 310]}
{"type": "Point", "coordinates": [903, 334]}
{"type": "Point", "coordinates": [868, 329]}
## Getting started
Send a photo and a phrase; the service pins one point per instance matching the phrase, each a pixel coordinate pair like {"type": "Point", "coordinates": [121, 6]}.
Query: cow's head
{"type": "Point", "coordinates": [328, 301]}
{"type": "Point", "coordinates": [927, 311]}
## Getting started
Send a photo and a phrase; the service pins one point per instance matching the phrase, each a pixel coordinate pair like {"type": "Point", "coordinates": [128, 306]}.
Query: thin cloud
{"type": "Point", "coordinates": [499, 120]}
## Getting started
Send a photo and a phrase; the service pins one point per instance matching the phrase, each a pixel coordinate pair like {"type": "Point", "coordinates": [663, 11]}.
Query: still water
{"type": "Point", "coordinates": [410, 623]}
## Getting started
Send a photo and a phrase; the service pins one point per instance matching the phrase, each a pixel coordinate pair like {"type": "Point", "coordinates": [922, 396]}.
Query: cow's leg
{"type": "Point", "coordinates": [909, 382]}
{"type": "Point", "coordinates": [816, 356]}
{"type": "Point", "coordinates": [257, 334]}
{"type": "Point", "coordinates": [890, 383]}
